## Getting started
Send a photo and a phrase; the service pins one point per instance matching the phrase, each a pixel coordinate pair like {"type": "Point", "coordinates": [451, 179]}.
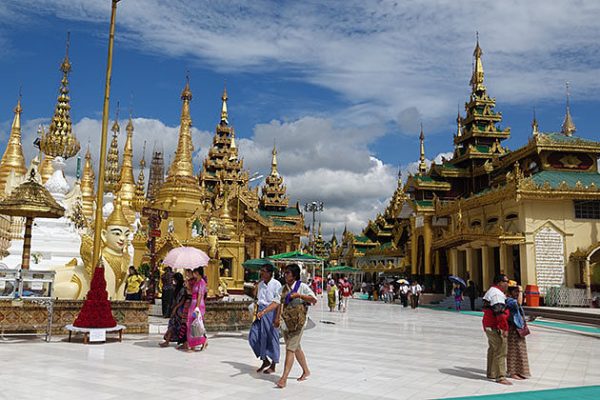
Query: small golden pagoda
{"type": "Point", "coordinates": [112, 175]}
{"type": "Point", "coordinates": [126, 180]}
{"type": "Point", "coordinates": [88, 195]}
{"type": "Point", "coordinates": [13, 159]}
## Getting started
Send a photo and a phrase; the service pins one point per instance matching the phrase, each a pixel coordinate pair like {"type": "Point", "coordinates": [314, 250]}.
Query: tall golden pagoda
{"type": "Point", "coordinates": [274, 192]}
{"type": "Point", "coordinates": [180, 194]}
{"type": "Point", "coordinates": [60, 141]}
{"type": "Point", "coordinates": [112, 175]}
{"type": "Point", "coordinates": [13, 159]}
{"type": "Point", "coordinates": [222, 167]}
{"type": "Point", "coordinates": [126, 181]}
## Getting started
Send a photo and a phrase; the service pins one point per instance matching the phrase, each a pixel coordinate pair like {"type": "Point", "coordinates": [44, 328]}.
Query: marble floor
{"type": "Point", "coordinates": [375, 351]}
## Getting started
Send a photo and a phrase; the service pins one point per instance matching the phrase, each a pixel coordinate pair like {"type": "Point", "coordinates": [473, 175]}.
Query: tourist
{"type": "Point", "coordinates": [168, 290]}
{"type": "Point", "coordinates": [296, 296]}
{"type": "Point", "coordinates": [415, 294]}
{"type": "Point", "coordinates": [332, 295]}
{"type": "Point", "coordinates": [346, 289]}
{"type": "Point", "coordinates": [264, 336]}
{"type": "Point", "coordinates": [473, 292]}
{"type": "Point", "coordinates": [196, 306]}
{"type": "Point", "coordinates": [495, 324]}
{"type": "Point", "coordinates": [404, 290]}
{"type": "Point", "coordinates": [176, 313]}
{"type": "Point", "coordinates": [458, 297]}
{"type": "Point", "coordinates": [517, 362]}
{"type": "Point", "coordinates": [183, 326]}
{"type": "Point", "coordinates": [133, 283]}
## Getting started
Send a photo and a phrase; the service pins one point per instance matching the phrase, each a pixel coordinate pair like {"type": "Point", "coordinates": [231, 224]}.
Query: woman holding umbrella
{"type": "Point", "coordinates": [458, 284]}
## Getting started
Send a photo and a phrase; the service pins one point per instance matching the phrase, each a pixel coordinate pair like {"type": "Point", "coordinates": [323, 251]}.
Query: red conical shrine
{"type": "Point", "coordinates": [96, 311]}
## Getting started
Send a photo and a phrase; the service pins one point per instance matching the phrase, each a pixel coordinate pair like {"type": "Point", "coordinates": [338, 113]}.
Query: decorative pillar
{"type": "Point", "coordinates": [486, 268]}
{"type": "Point", "coordinates": [469, 261]}
{"type": "Point", "coordinates": [506, 265]}
{"type": "Point", "coordinates": [212, 274]}
{"type": "Point", "coordinates": [453, 261]}
{"type": "Point", "coordinates": [588, 280]}
{"type": "Point", "coordinates": [427, 239]}
{"type": "Point", "coordinates": [414, 240]}
{"type": "Point", "coordinates": [288, 247]}
{"type": "Point", "coordinates": [257, 248]}
{"type": "Point", "coordinates": [27, 244]}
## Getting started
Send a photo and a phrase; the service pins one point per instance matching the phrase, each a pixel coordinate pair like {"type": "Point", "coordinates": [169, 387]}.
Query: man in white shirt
{"type": "Point", "coordinates": [415, 293]}
{"type": "Point", "coordinates": [264, 336]}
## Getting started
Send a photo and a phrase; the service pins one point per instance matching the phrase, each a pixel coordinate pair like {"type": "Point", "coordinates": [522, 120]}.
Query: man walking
{"type": "Point", "coordinates": [168, 290]}
{"type": "Point", "coordinates": [264, 336]}
{"type": "Point", "coordinates": [415, 293]}
{"type": "Point", "coordinates": [495, 324]}
{"type": "Point", "coordinates": [346, 289]}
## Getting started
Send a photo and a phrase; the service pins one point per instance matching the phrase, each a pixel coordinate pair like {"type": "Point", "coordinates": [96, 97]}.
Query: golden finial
{"type": "Point", "coordinates": [535, 129]}
{"type": "Point", "coordinates": [422, 164]}
{"type": "Point", "coordinates": [186, 94]}
{"type": "Point", "coordinates": [224, 98]}
{"type": "Point", "coordinates": [274, 161]}
{"type": "Point", "coordinates": [60, 140]}
{"type": "Point", "coordinates": [458, 124]}
{"type": "Point", "coordinates": [117, 217]}
{"type": "Point", "coordinates": [13, 159]}
{"type": "Point", "coordinates": [568, 127]}
{"type": "Point", "coordinates": [477, 78]}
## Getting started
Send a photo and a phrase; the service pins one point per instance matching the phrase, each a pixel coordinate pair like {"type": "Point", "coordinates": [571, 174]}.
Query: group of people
{"type": "Point", "coordinates": [339, 294]}
{"type": "Point", "coordinates": [506, 328]}
{"type": "Point", "coordinates": [389, 291]}
{"type": "Point", "coordinates": [280, 306]}
{"type": "Point", "coordinates": [185, 307]}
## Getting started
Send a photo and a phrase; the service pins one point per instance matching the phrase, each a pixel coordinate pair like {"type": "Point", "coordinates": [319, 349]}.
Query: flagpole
{"type": "Point", "coordinates": [99, 222]}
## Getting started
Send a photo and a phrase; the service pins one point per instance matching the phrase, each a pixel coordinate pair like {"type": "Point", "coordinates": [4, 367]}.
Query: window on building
{"type": "Point", "coordinates": [587, 209]}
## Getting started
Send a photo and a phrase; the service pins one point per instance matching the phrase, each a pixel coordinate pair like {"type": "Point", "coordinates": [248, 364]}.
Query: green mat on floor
{"type": "Point", "coordinates": [579, 393]}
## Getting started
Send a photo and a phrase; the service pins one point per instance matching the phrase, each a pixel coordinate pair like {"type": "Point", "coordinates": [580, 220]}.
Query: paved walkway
{"type": "Point", "coordinates": [375, 351]}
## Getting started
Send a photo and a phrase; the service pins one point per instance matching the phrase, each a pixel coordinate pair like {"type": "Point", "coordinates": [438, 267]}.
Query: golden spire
{"type": "Point", "coordinates": [224, 115]}
{"type": "Point", "coordinates": [140, 193]}
{"type": "Point", "coordinates": [13, 158]}
{"type": "Point", "coordinates": [274, 161]}
{"type": "Point", "coordinates": [112, 176]}
{"type": "Point", "coordinates": [535, 129]}
{"type": "Point", "coordinates": [477, 78]}
{"type": "Point", "coordinates": [126, 181]}
{"type": "Point", "coordinates": [182, 163]}
{"type": "Point", "coordinates": [422, 164]}
{"type": "Point", "coordinates": [568, 127]}
{"type": "Point", "coordinates": [233, 146]}
{"type": "Point", "coordinates": [60, 140]}
{"type": "Point", "coordinates": [458, 125]}
{"type": "Point", "coordinates": [87, 186]}
{"type": "Point", "coordinates": [46, 169]}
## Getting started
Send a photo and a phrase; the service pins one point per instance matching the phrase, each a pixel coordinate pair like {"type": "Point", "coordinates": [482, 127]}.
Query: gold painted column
{"type": "Point", "coordinates": [506, 264]}
{"type": "Point", "coordinates": [427, 241]}
{"type": "Point", "coordinates": [588, 280]}
{"type": "Point", "coordinates": [528, 273]}
{"type": "Point", "coordinates": [469, 255]}
{"type": "Point", "coordinates": [486, 267]}
{"type": "Point", "coordinates": [257, 248]}
{"type": "Point", "coordinates": [453, 261]}
{"type": "Point", "coordinates": [413, 247]}
{"type": "Point", "coordinates": [288, 247]}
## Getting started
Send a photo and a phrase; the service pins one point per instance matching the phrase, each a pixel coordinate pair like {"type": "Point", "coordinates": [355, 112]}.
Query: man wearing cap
{"type": "Point", "coordinates": [495, 324]}
{"type": "Point", "coordinates": [264, 336]}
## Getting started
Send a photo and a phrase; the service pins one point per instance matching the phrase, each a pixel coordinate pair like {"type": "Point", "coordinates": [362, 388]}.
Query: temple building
{"type": "Point", "coordinates": [532, 213]}
{"type": "Point", "coordinates": [217, 210]}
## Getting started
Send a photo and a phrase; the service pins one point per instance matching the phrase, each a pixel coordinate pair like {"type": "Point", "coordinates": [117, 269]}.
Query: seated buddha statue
{"type": "Point", "coordinates": [74, 282]}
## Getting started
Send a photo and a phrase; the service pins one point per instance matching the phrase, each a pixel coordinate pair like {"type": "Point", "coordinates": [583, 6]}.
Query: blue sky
{"type": "Point", "coordinates": [341, 87]}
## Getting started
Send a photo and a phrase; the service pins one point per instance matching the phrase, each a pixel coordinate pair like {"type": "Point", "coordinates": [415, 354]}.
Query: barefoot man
{"type": "Point", "coordinates": [295, 297]}
{"type": "Point", "coordinates": [264, 336]}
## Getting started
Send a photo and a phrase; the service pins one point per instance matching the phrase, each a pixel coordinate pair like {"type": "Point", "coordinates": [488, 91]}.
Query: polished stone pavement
{"type": "Point", "coordinates": [375, 351]}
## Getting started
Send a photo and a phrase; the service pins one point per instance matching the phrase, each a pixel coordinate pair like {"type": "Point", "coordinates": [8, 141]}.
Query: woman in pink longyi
{"type": "Point", "coordinates": [198, 294]}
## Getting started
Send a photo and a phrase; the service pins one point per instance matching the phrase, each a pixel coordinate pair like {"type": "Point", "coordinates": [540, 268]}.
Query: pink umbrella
{"type": "Point", "coordinates": [186, 257]}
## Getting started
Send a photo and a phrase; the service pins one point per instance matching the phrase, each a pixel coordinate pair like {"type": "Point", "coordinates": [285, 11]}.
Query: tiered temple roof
{"type": "Point", "coordinates": [274, 192]}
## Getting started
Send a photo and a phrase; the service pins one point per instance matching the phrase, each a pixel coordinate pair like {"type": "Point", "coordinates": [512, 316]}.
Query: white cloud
{"type": "Point", "coordinates": [389, 59]}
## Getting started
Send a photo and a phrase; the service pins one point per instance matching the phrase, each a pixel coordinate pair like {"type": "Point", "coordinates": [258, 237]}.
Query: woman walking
{"type": "Point", "coordinates": [458, 296]}
{"type": "Point", "coordinates": [295, 296]}
{"type": "Point", "coordinates": [332, 295]}
{"type": "Point", "coordinates": [196, 306]}
{"type": "Point", "coordinates": [517, 362]}
{"type": "Point", "coordinates": [133, 290]}
{"type": "Point", "coordinates": [177, 316]}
